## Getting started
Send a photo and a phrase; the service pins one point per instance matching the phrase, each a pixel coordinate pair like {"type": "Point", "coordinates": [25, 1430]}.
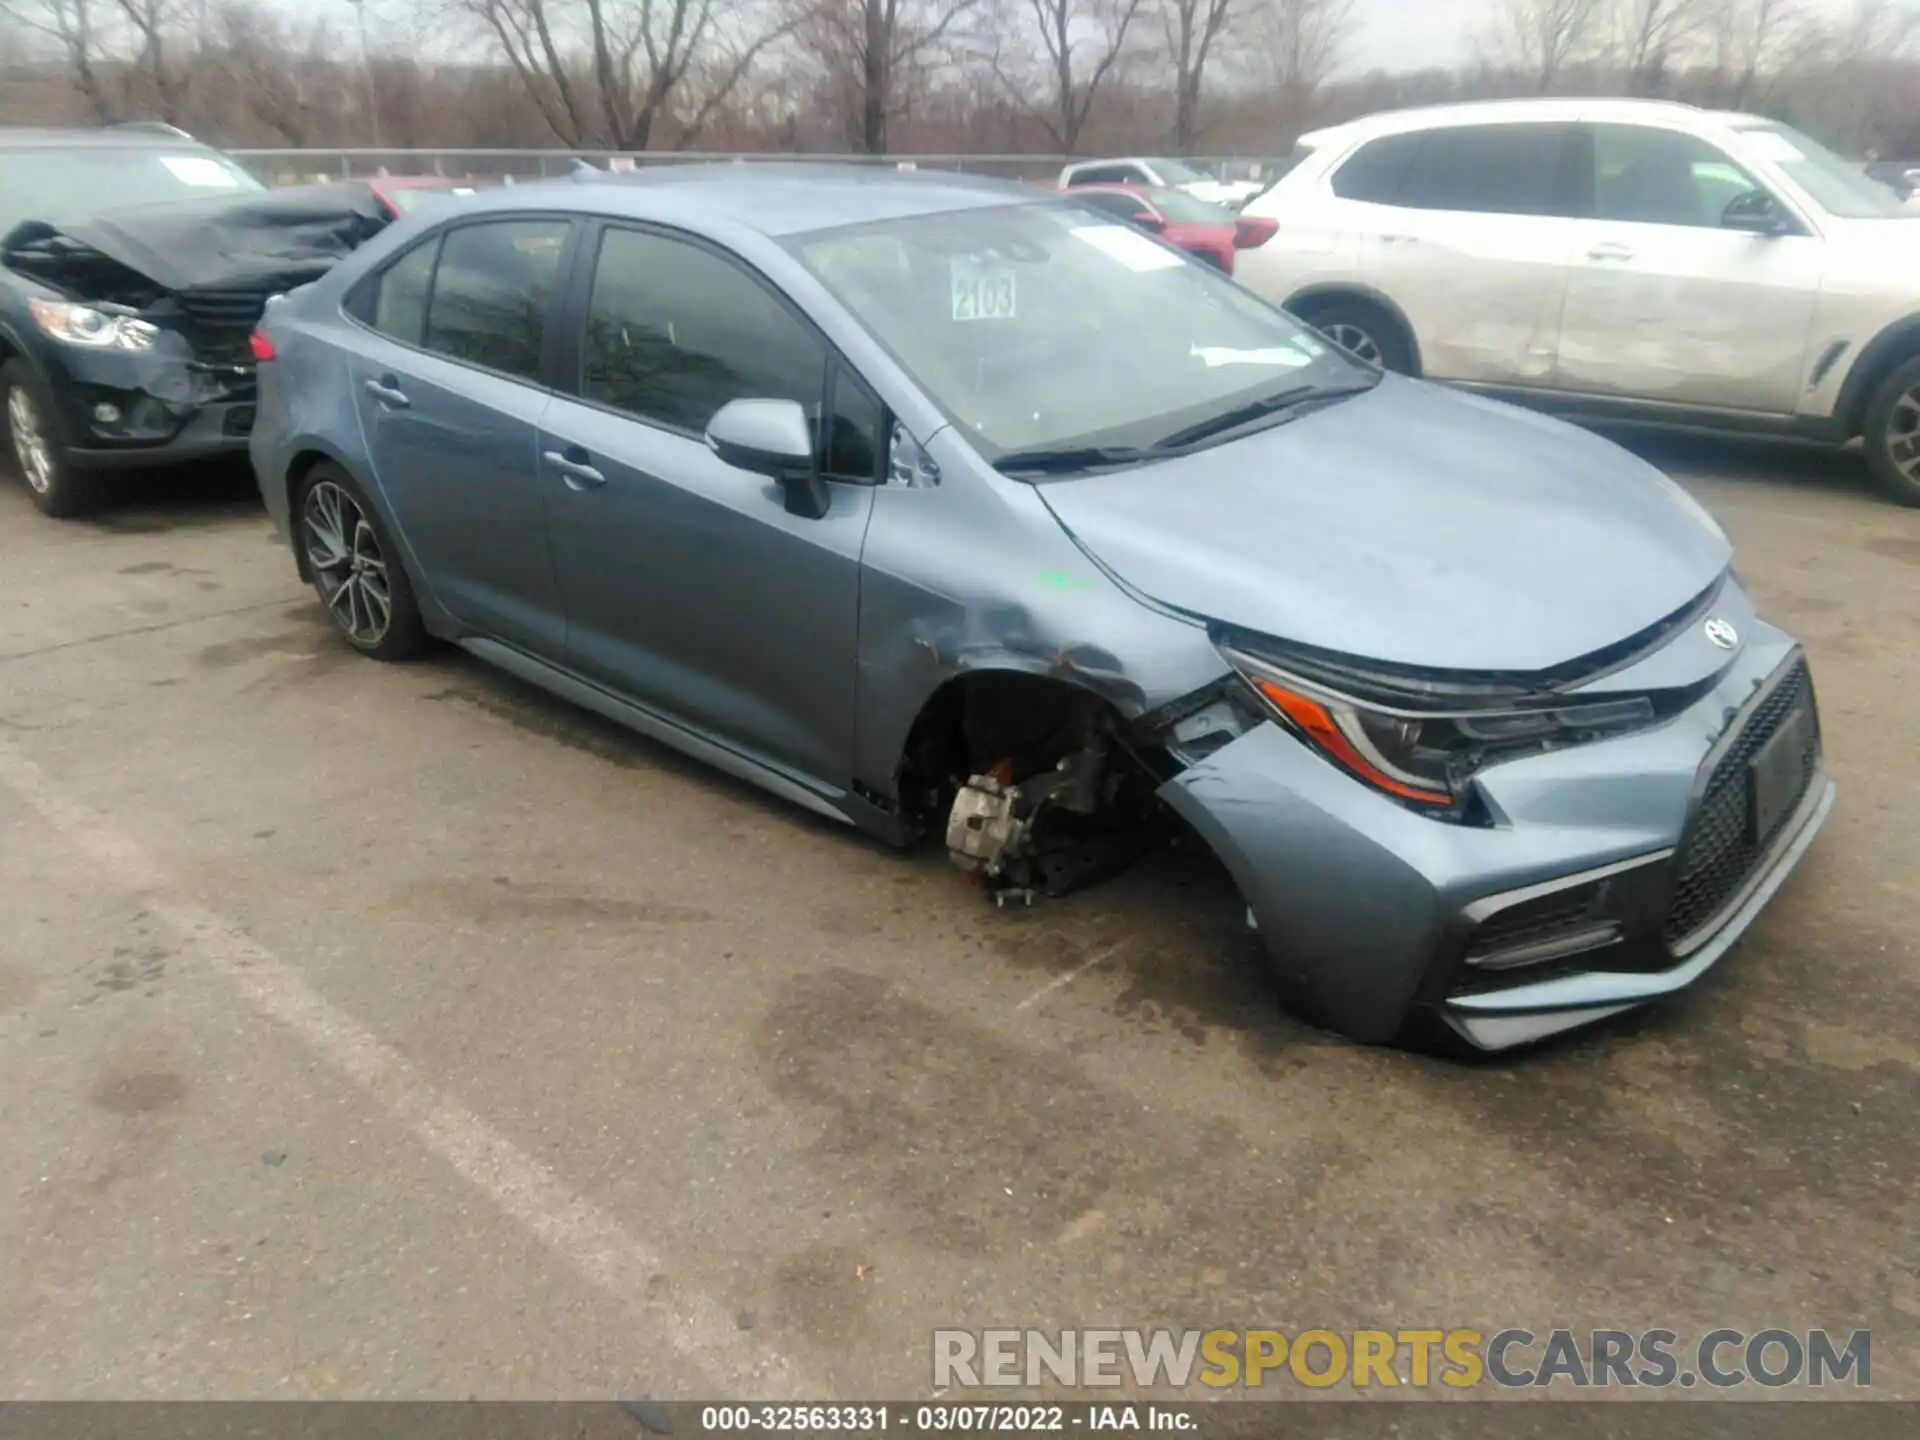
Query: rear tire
{"type": "Point", "coordinates": [1362, 329]}
{"type": "Point", "coordinates": [1892, 434]}
{"type": "Point", "coordinates": [355, 567]}
{"type": "Point", "coordinates": [34, 445]}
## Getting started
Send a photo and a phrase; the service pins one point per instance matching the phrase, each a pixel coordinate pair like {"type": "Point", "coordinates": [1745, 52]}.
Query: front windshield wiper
{"type": "Point", "coordinates": [1069, 459]}
{"type": "Point", "coordinates": [1291, 402]}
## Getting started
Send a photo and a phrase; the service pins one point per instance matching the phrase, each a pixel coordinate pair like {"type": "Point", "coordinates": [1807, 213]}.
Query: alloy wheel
{"type": "Point", "coordinates": [1356, 341]}
{"type": "Point", "coordinates": [348, 568]}
{"type": "Point", "coordinates": [1903, 434]}
{"type": "Point", "coordinates": [29, 440]}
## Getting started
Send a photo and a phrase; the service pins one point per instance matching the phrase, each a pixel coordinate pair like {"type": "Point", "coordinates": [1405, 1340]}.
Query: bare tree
{"type": "Point", "coordinates": [605, 72]}
{"type": "Point", "coordinates": [1192, 27]}
{"type": "Point", "coordinates": [1746, 38]}
{"type": "Point", "coordinates": [159, 75]}
{"type": "Point", "coordinates": [1541, 37]}
{"type": "Point", "coordinates": [1649, 35]}
{"type": "Point", "coordinates": [1301, 44]}
{"type": "Point", "coordinates": [1081, 43]}
{"type": "Point", "coordinates": [75, 26]}
{"type": "Point", "coordinates": [877, 54]}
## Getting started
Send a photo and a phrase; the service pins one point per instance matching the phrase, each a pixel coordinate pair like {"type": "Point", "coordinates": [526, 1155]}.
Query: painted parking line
{"type": "Point", "coordinates": [592, 1242]}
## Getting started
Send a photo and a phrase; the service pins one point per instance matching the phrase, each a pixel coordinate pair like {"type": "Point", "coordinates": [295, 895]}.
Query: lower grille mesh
{"type": "Point", "coordinates": [1721, 849]}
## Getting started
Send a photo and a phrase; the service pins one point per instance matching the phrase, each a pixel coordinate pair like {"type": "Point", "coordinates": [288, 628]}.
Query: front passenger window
{"type": "Point", "coordinates": [675, 331]}
{"type": "Point", "coordinates": [1662, 177]}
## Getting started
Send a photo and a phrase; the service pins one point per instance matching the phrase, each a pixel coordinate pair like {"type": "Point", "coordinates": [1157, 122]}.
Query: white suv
{"type": "Point", "coordinates": [1613, 260]}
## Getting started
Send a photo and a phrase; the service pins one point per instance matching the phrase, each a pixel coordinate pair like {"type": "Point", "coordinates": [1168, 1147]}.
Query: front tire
{"type": "Point", "coordinates": [356, 568]}
{"type": "Point", "coordinates": [40, 457]}
{"type": "Point", "coordinates": [1892, 434]}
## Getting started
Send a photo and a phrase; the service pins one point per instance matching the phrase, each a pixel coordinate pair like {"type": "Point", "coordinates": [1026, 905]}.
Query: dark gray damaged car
{"type": "Point", "coordinates": [943, 507]}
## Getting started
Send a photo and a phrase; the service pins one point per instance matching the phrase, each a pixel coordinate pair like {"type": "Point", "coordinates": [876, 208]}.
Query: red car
{"type": "Point", "coordinates": [1199, 227]}
{"type": "Point", "coordinates": [403, 194]}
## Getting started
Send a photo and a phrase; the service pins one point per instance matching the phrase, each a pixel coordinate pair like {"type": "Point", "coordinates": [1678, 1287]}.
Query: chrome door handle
{"type": "Point", "coordinates": [388, 393]}
{"type": "Point", "coordinates": [1610, 251]}
{"type": "Point", "coordinates": [577, 474]}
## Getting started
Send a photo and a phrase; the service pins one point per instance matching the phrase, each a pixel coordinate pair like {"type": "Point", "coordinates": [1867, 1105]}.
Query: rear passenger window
{"type": "Point", "coordinates": [491, 293]}
{"type": "Point", "coordinates": [400, 297]}
{"type": "Point", "coordinates": [674, 332]}
{"type": "Point", "coordinates": [1515, 169]}
{"type": "Point", "coordinates": [1378, 170]}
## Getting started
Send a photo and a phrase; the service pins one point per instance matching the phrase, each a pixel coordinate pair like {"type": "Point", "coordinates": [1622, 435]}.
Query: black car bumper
{"type": "Point", "coordinates": [121, 410]}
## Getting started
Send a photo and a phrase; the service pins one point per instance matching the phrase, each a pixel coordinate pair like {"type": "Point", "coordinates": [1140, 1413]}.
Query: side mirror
{"type": "Point", "coordinates": [1149, 222]}
{"type": "Point", "coordinates": [1755, 213]}
{"type": "Point", "coordinates": [771, 437]}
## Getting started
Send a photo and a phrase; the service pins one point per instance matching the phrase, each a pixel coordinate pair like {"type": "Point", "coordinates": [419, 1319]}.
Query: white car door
{"type": "Point", "coordinates": [1665, 302]}
{"type": "Point", "coordinates": [1466, 229]}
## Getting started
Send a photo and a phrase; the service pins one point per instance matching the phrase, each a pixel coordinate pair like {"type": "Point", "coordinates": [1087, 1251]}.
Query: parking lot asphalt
{"type": "Point", "coordinates": [401, 1032]}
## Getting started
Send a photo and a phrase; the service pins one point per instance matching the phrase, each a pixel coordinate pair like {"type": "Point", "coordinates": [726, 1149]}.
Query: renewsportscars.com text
{"type": "Point", "coordinates": [1723, 1359]}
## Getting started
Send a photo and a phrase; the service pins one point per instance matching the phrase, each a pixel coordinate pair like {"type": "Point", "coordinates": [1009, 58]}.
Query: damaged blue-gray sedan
{"type": "Point", "coordinates": [946, 507]}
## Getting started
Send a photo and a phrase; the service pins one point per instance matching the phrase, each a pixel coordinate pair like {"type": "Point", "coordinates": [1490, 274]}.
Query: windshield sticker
{"type": "Point", "coordinates": [1772, 145]}
{"type": "Point", "coordinates": [1284, 356]}
{"type": "Point", "coordinates": [198, 170]}
{"type": "Point", "coordinates": [1128, 246]}
{"type": "Point", "coordinates": [982, 291]}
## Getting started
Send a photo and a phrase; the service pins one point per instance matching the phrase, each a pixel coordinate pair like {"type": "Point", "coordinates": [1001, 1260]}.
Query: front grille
{"type": "Point", "coordinates": [1722, 848]}
{"type": "Point", "coordinates": [225, 309]}
{"type": "Point", "coordinates": [219, 323]}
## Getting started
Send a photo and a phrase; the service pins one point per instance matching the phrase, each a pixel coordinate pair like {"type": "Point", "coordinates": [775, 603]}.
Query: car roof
{"type": "Point", "coordinates": [774, 198]}
{"type": "Point", "coordinates": [1392, 122]}
{"type": "Point", "coordinates": [113, 137]}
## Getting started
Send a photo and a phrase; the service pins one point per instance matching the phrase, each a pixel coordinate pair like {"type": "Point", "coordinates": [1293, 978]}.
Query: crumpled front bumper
{"type": "Point", "coordinates": [165, 405]}
{"type": "Point", "coordinates": [1377, 917]}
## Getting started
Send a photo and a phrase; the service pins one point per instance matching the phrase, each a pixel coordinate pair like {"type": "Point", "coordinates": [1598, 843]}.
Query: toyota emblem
{"type": "Point", "coordinates": [1722, 634]}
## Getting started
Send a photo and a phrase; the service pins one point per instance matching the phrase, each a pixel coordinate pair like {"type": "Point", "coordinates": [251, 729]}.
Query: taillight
{"type": "Point", "coordinates": [262, 345]}
{"type": "Point", "coordinates": [1250, 232]}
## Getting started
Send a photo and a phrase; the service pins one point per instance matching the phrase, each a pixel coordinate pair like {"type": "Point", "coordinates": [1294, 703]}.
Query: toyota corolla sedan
{"type": "Point", "coordinates": [943, 507]}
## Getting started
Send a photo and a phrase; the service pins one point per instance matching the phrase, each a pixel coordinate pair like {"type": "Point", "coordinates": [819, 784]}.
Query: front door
{"type": "Point", "coordinates": [1663, 303]}
{"type": "Point", "coordinates": [688, 585]}
{"type": "Point", "coordinates": [450, 398]}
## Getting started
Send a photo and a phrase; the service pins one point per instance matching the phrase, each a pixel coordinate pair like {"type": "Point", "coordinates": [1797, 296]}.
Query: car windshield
{"type": "Point", "coordinates": [59, 185]}
{"type": "Point", "coordinates": [1835, 186]}
{"type": "Point", "coordinates": [1184, 209]}
{"type": "Point", "coordinates": [1041, 326]}
{"type": "Point", "coordinates": [1178, 172]}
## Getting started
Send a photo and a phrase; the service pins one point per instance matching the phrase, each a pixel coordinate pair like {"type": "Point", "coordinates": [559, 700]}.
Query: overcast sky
{"type": "Point", "coordinates": [1410, 34]}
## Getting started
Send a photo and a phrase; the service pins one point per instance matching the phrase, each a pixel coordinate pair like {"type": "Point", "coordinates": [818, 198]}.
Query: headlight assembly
{"type": "Point", "coordinates": [93, 328]}
{"type": "Point", "coordinates": [1425, 758]}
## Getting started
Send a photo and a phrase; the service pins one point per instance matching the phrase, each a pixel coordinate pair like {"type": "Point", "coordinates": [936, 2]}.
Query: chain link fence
{"type": "Point", "coordinates": [294, 167]}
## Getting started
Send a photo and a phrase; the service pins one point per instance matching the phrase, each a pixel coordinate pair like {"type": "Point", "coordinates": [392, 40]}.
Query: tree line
{"type": "Point", "coordinates": [912, 76]}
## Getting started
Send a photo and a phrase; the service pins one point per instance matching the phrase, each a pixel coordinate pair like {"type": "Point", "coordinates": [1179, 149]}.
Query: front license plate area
{"type": "Point", "coordinates": [1776, 776]}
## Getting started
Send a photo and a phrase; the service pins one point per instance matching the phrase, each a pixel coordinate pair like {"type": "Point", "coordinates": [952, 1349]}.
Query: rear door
{"type": "Point", "coordinates": [1663, 302]}
{"type": "Point", "coordinates": [450, 389]}
{"type": "Point", "coordinates": [688, 585]}
{"type": "Point", "coordinates": [1466, 229]}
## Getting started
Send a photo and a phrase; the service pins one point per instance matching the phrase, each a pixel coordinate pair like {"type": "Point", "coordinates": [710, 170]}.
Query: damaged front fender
{"type": "Point", "coordinates": [1019, 598]}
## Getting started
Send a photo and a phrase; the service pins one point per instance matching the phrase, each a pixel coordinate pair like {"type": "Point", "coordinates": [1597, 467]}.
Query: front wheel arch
{"type": "Point", "coordinates": [1324, 299]}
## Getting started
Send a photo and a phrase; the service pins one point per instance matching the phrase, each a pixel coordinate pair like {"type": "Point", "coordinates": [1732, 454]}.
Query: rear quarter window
{"type": "Point", "coordinates": [1378, 171]}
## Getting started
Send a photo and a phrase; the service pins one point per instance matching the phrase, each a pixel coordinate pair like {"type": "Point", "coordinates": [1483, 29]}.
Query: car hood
{"type": "Point", "coordinates": [1410, 525]}
{"type": "Point", "coordinates": [265, 240]}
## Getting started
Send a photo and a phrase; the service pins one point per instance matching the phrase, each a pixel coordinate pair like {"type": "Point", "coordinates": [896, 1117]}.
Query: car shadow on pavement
{"type": "Point", "coordinates": [156, 502]}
